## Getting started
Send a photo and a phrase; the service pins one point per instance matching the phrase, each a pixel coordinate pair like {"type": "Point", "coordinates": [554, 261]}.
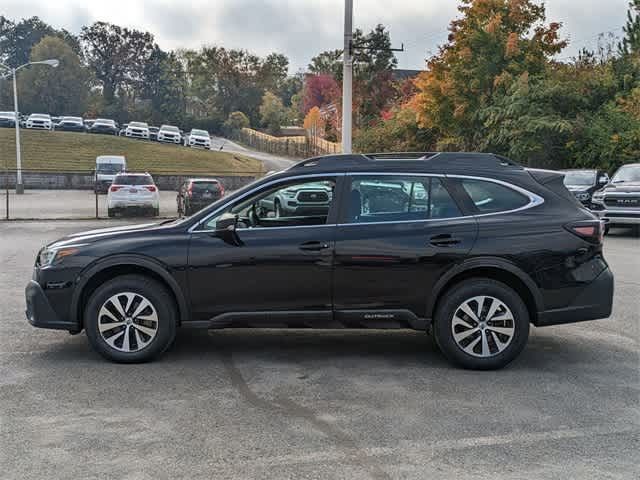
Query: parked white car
{"type": "Point", "coordinates": [198, 138]}
{"type": "Point", "coordinates": [133, 192]}
{"type": "Point", "coordinates": [169, 134]}
{"type": "Point", "coordinates": [41, 121]}
{"type": "Point", "coordinates": [137, 130]}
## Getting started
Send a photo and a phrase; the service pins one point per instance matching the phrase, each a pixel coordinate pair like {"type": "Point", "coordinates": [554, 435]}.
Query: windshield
{"type": "Point", "coordinates": [40, 115]}
{"type": "Point", "coordinates": [103, 121]}
{"type": "Point", "coordinates": [138, 125]}
{"type": "Point", "coordinates": [71, 119]}
{"type": "Point", "coordinates": [8, 114]}
{"type": "Point", "coordinates": [582, 178]}
{"type": "Point", "coordinates": [169, 128]}
{"type": "Point", "coordinates": [627, 174]}
{"type": "Point", "coordinates": [109, 168]}
{"type": "Point", "coordinates": [133, 180]}
{"type": "Point", "coordinates": [200, 133]}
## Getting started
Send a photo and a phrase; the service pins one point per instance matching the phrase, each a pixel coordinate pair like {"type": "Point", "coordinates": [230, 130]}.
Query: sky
{"type": "Point", "coordinates": [302, 28]}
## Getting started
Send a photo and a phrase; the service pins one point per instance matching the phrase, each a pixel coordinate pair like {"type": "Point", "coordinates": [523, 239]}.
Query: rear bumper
{"type": "Point", "coordinates": [593, 303]}
{"type": "Point", "coordinates": [39, 311]}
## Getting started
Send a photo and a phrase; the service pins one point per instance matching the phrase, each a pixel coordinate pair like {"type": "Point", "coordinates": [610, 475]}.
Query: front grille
{"type": "Point", "coordinates": [632, 202]}
{"type": "Point", "coordinates": [313, 196]}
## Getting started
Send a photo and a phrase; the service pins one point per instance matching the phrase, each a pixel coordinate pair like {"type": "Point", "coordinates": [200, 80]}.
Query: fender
{"type": "Point", "coordinates": [149, 263]}
{"type": "Point", "coordinates": [485, 262]}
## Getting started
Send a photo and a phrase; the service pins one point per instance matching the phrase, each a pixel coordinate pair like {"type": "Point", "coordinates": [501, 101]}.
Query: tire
{"type": "Point", "coordinates": [145, 342]}
{"type": "Point", "coordinates": [500, 347]}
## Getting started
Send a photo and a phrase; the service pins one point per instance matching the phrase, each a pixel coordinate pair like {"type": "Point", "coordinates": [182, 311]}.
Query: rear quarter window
{"type": "Point", "coordinates": [490, 197]}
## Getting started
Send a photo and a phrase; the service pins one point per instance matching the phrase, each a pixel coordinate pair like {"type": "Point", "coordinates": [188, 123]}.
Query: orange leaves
{"type": "Point", "coordinates": [512, 49]}
{"type": "Point", "coordinates": [494, 24]}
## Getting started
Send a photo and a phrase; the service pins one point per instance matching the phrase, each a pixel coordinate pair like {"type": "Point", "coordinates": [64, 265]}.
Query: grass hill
{"type": "Point", "coordinates": [76, 152]}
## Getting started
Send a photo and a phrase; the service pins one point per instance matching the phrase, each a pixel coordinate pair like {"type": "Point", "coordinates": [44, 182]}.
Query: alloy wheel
{"type": "Point", "coordinates": [128, 322]}
{"type": "Point", "coordinates": [483, 326]}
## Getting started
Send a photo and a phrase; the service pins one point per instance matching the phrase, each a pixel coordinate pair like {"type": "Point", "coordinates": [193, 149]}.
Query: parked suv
{"type": "Point", "coordinates": [169, 134]}
{"type": "Point", "coordinates": [198, 138]}
{"type": "Point", "coordinates": [39, 121]}
{"type": "Point", "coordinates": [137, 130]}
{"type": "Point", "coordinates": [196, 193]}
{"type": "Point", "coordinates": [619, 201]}
{"type": "Point", "coordinates": [471, 246]}
{"type": "Point", "coordinates": [71, 124]}
{"type": "Point", "coordinates": [7, 119]}
{"type": "Point", "coordinates": [103, 126]}
{"type": "Point", "coordinates": [584, 183]}
{"type": "Point", "coordinates": [133, 192]}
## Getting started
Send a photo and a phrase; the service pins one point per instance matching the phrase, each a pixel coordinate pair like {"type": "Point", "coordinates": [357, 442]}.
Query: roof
{"type": "Point", "coordinates": [459, 162]}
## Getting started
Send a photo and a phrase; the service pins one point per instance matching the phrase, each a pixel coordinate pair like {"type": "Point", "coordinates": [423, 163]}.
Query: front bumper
{"type": "Point", "coordinates": [594, 302]}
{"type": "Point", "coordinates": [163, 139]}
{"type": "Point", "coordinates": [39, 311]}
{"type": "Point", "coordinates": [619, 216]}
{"type": "Point", "coordinates": [137, 135]}
{"type": "Point", "coordinates": [39, 126]}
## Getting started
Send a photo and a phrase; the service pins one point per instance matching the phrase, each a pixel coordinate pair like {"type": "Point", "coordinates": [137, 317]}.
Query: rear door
{"type": "Point", "coordinates": [397, 235]}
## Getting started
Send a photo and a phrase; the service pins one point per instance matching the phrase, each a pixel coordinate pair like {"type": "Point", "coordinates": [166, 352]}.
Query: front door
{"type": "Point", "coordinates": [280, 268]}
{"type": "Point", "coordinates": [397, 235]}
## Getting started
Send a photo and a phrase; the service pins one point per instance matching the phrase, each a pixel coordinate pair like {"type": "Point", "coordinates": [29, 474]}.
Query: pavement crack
{"type": "Point", "coordinates": [288, 408]}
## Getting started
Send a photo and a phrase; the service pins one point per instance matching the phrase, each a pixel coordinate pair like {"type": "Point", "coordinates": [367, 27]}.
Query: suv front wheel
{"type": "Point", "coordinates": [130, 319]}
{"type": "Point", "coordinates": [481, 324]}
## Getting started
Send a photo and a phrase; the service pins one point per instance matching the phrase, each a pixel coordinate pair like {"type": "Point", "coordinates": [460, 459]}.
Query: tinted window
{"type": "Point", "coordinates": [492, 197]}
{"type": "Point", "coordinates": [201, 187]}
{"type": "Point", "coordinates": [581, 178]}
{"type": "Point", "coordinates": [397, 198]}
{"type": "Point", "coordinates": [133, 180]}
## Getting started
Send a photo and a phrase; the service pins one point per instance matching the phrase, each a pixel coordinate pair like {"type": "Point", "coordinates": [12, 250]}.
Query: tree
{"type": "Point", "coordinates": [117, 57]}
{"type": "Point", "coordinates": [236, 121]}
{"type": "Point", "coordinates": [489, 48]}
{"type": "Point", "coordinates": [631, 41]}
{"type": "Point", "coordinates": [18, 39]}
{"type": "Point", "coordinates": [327, 63]}
{"type": "Point", "coordinates": [62, 90]}
{"type": "Point", "coordinates": [319, 90]}
{"type": "Point", "coordinates": [165, 85]}
{"type": "Point", "coordinates": [314, 122]}
{"type": "Point", "coordinates": [272, 113]}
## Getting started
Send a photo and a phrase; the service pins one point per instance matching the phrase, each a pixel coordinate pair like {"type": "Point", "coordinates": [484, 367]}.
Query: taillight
{"type": "Point", "coordinates": [590, 230]}
{"type": "Point", "coordinates": [114, 188]}
{"type": "Point", "coordinates": [190, 189]}
{"type": "Point", "coordinates": [221, 190]}
{"type": "Point", "coordinates": [151, 188]}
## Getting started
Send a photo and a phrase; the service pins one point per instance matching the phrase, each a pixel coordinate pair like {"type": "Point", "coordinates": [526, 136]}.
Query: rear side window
{"type": "Point", "coordinates": [133, 180]}
{"type": "Point", "coordinates": [397, 198]}
{"type": "Point", "coordinates": [490, 197]}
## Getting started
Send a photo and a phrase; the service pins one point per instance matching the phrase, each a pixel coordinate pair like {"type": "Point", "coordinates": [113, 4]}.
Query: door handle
{"type": "Point", "coordinates": [314, 246]}
{"type": "Point", "coordinates": [444, 240]}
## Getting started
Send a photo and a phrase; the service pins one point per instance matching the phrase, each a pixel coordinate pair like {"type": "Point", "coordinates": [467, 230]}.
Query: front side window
{"type": "Point", "coordinates": [491, 197]}
{"type": "Point", "coordinates": [290, 204]}
{"type": "Point", "coordinates": [396, 198]}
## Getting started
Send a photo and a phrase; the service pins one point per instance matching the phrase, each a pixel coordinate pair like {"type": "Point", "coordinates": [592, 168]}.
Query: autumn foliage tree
{"type": "Point", "coordinates": [492, 45]}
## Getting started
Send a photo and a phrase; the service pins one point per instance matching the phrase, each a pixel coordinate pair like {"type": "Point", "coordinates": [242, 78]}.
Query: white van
{"type": "Point", "coordinates": [107, 167]}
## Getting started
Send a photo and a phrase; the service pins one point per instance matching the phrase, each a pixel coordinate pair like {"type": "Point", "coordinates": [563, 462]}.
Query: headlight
{"type": "Point", "coordinates": [48, 256]}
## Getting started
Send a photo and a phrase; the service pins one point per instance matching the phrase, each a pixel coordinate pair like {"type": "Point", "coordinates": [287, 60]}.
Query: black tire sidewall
{"type": "Point", "coordinates": [454, 297]}
{"type": "Point", "coordinates": [156, 293]}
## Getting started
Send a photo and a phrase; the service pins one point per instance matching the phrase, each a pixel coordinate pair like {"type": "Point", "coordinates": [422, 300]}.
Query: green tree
{"type": "Point", "coordinates": [117, 56]}
{"type": "Point", "coordinates": [165, 85]}
{"type": "Point", "coordinates": [236, 121]}
{"type": "Point", "coordinates": [62, 90]}
{"type": "Point", "coordinates": [18, 39]}
{"type": "Point", "coordinates": [490, 46]}
{"type": "Point", "coordinates": [631, 41]}
{"type": "Point", "coordinates": [272, 113]}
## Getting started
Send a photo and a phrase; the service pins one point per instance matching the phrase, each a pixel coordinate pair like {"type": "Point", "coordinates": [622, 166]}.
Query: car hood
{"type": "Point", "coordinates": [91, 236]}
{"type": "Point", "coordinates": [200, 137]}
{"type": "Point", "coordinates": [627, 187]}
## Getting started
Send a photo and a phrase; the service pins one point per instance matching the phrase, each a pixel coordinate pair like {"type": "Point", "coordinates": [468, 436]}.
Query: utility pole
{"type": "Point", "coordinates": [19, 184]}
{"type": "Point", "coordinates": [347, 77]}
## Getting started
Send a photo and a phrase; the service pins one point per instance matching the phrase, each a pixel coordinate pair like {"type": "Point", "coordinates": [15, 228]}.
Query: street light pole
{"type": "Point", "coordinates": [347, 77]}
{"type": "Point", "coordinates": [51, 63]}
{"type": "Point", "coordinates": [19, 184]}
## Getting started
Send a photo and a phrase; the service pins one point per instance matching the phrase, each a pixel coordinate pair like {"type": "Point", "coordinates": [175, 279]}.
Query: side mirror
{"type": "Point", "coordinates": [226, 229]}
{"type": "Point", "coordinates": [604, 179]}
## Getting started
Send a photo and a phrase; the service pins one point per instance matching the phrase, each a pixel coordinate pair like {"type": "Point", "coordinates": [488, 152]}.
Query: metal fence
{"type": "Point", "coordinates": [52, 194]}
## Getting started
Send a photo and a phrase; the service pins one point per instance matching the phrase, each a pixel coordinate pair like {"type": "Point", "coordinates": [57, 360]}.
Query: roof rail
{"type": "Point", "coordinates": [329, 160]}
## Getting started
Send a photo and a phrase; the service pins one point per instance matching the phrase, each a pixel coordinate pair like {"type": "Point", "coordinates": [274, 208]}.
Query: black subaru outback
{"type": "Point", "coordinates": [470, 246]}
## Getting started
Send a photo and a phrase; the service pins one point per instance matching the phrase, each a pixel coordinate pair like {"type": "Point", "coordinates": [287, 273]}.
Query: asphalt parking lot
{"type": "Point", "coordinates": [300, 404]}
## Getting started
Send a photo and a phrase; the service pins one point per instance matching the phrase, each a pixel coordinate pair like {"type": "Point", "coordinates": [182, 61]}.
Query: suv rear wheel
{"type": "Point", "coordinates": [130, 319]}
{"type": "Point", "coordinates": [481, 324]}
